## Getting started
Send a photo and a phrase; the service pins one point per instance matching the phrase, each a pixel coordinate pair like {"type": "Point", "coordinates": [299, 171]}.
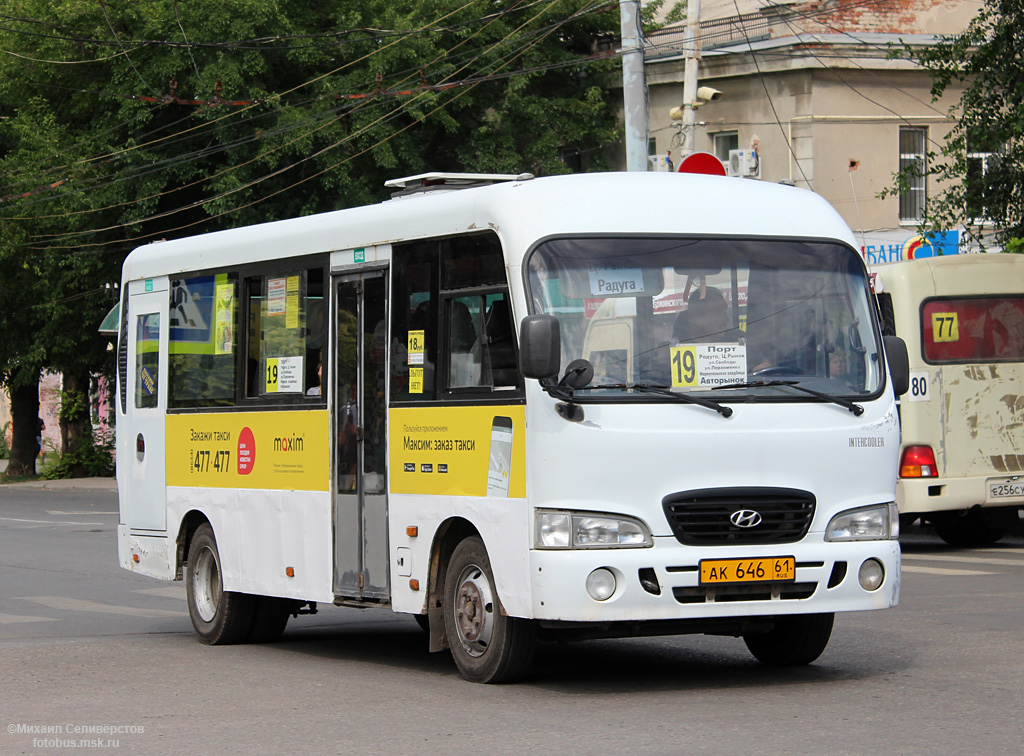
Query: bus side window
{"type": "Point", "coordinates": [202, 340]}
{"type": "Point", "coordinates": [414, 320]}
{"type": "Point", "coordinates": [147, 360]}
{"type": "Point", "coordinates": [451, 309]}
{"type": "Point", "coordinates": [286, 325]}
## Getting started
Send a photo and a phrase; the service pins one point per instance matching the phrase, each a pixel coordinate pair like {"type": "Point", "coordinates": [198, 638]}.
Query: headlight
{"type": "Point", "coordinates": [583, 530]}
{"type": "Point", "coordinates": [875, 523]}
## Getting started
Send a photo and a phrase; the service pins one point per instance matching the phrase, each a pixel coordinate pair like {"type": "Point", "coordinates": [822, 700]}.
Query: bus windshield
{"type": "Point", "coordinates": [740, 317]}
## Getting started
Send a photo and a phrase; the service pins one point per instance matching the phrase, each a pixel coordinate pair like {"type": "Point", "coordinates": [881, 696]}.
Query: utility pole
{"type": "Point", "coordinates": [634, 87]}
{"type": "Point", "coordinates": [692, 51]}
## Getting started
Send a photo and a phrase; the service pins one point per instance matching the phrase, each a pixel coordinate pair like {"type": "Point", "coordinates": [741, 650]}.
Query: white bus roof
{"type": "Point", "coordinates": [521, 211]}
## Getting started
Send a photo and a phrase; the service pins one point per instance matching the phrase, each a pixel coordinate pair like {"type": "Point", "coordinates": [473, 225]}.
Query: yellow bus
{"type": "Point", "coordinates": [962, 455]}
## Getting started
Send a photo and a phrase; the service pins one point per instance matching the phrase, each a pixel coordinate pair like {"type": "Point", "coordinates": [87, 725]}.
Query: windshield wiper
{"type": "Point", "coordinates": [856, 409]}
{"type": "Point", "coordinates": [666, 391]}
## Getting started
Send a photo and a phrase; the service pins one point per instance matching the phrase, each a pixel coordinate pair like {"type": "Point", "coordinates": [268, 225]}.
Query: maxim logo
{"type": "Point", "coordinates": [293, 444]}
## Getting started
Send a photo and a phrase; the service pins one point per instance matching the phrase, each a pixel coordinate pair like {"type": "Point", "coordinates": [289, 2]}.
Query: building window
{"type": "Point", "coordinates": [913, 166]}
{"type": "Point", "coordinates": [982, 162]}
{"type": "Point", "coordinates": [724, 142]}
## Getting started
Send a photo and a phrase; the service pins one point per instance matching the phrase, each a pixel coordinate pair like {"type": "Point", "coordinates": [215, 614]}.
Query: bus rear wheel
{"type": "Point", "coordinates": [795, 640]}
{"type": "Point", "coordinates": [270, 616]}
{"type": "Point", "coordinates": [219, 617]}
{"type": "Point", "coordinates": [964, 531]}
{"type": "Point", "coordinates": [487, 645]}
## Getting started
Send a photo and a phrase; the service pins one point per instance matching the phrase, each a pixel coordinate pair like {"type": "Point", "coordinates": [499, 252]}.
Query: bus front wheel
{"type": "Point", "coordinates": [487, 645]}
{"type": "Point", "coordinates": [218, 616]}
{"type": "Point", "coordinates": [796, 639]}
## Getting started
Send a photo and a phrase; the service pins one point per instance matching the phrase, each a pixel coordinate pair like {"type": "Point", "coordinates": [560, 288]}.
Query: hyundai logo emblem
{"type": "Point", "coordinates": [745, 518]}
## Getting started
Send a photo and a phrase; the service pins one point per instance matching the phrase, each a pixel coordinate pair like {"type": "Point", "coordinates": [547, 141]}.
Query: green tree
{"type": "Point", "coordinates": [126, 122]}
{"type": "Point", "coordinates": [979, 170]}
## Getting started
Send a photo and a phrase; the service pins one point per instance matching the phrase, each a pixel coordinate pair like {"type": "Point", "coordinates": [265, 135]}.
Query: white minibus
{"type": "Point", "coordinates": [411, 406]}
{"type": "Point", "coordinates": [962, 454]}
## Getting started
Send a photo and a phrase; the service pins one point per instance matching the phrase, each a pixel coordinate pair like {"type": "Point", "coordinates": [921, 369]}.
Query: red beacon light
{"type": "Point", "coordinates": [918, 462]}
{"type": "Point", "coordinates": [702, 162]}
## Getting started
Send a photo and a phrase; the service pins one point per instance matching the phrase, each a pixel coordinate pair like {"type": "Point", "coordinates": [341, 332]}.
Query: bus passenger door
{"type": "Point", "coordinates": [145, 442]}
{"type": "Point", "coordinates": [360, 502]}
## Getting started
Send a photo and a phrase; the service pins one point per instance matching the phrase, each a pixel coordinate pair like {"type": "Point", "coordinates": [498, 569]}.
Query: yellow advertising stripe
{"type": "Point", "coordinates": [459, 451]}
{"type": "Point", "coordinates": [267, 450]}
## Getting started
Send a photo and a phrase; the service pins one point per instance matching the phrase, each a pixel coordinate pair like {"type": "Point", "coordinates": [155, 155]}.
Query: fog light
{"type": "Point", "coordinates": [872, 573]}
{"type": "Point", "coordinates": [601, 584]}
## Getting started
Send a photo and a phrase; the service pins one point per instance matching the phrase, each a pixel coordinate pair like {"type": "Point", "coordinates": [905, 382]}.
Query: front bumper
{"type": "Point", "coordinates": [826, 581]}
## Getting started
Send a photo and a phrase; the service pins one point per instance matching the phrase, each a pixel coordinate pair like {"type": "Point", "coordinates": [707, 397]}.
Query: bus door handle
{"type": "Point", "coordinates": [359, 433]}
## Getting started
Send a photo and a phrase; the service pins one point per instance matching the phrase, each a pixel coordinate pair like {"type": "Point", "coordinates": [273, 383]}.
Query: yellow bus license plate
{"type": "Point", "coordinates": [767, 570]}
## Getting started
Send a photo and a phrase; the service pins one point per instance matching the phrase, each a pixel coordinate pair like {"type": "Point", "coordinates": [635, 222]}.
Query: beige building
{"type": "Point", "coordinates": [810, 95]}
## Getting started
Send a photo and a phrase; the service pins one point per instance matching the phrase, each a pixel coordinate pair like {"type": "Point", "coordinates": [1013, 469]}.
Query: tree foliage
{"type": "Point", "coordinates": [125, 122]}
{"type": "Point", "coordinates": [979, 170]}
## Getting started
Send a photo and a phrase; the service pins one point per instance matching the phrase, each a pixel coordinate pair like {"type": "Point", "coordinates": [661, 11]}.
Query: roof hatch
{"type": "Point", "coordinates": [432, 182]}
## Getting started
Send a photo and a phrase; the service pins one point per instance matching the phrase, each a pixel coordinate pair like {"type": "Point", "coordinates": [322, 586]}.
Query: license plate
{"type": "Point", "coordinates": [766, 570]}
{"type": "Point", "coordinates": [1006, 488]}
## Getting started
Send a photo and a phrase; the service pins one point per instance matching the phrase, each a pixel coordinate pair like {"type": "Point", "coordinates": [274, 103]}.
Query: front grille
{"type": "Point", "coordinates": [702, 518]}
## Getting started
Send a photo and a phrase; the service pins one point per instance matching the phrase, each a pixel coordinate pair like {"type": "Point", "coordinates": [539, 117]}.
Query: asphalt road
{"type": "Point", "coordinates": [91, 652]}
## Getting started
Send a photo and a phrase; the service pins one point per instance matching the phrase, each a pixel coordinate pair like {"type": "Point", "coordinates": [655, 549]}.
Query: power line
{"type": "Point", "coordinates": [103, 7]}
{"type": "Point", "coordinates": [290, 167]}
{"type": "Point", "coordinates": [265, 43]}
{"type": "Point", "coordinates": [768, 95]}
{"type": "Point", "coordinates": [330, 115]}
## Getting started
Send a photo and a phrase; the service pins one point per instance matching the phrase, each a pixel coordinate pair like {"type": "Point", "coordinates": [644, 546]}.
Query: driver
{"type": "Point", "coordinates": [705, 319]}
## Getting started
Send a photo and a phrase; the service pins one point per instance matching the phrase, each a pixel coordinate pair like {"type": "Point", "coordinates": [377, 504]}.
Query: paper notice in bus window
{"type": "Point", "coordinates": [415, 380]}
{"type": "Point", "coordinates": [945, 326]}
{"type": "Point", "coordinates": [277, 303]}
{"type": "Point", "coordinates": [224, 320]}
{"type": "Point", "coordinates": [283, 375]}
{"type": "Point", "coordinates": [616, 282]}
{"type": "Point", "coordinates": [708, 365]}
{"type": "Point", "coordinates": [417, 345]}
{"type": "Point", "coordinates": [292, 302]}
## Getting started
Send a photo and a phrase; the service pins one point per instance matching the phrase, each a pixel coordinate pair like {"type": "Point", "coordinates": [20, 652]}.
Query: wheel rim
{"type": "Point", "coordinates": [474, 610]}
{"type": "Point", "coordinates": [206, 588]}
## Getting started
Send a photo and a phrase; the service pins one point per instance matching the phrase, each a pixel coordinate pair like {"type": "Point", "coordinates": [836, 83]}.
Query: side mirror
{"type": "Point", "coordinates": [540, 346]}
{"type": "Point", "coordinates": [899, 363]}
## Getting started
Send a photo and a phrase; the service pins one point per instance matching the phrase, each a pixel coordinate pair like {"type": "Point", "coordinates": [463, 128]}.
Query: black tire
{"type": "Point", "coordinates": [487, 645]}
{"type": "Point", "coordinates": [270, 616]}
{"type": "Point", "coordinates": [964, 531]}
{"type": "Point", "coordinates": [220, 617]}
{"type": "Point", "coordinates": [795, 640]}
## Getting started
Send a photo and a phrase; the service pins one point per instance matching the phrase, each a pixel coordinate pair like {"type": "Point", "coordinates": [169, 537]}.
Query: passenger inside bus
{"type": "Point", "coordinates": [500, 348]}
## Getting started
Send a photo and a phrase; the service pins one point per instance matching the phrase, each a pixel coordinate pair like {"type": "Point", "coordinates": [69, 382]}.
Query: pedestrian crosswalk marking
{"type": "Point", "coordinates": [942, 571]}
{"type": "Point", "coordinates": [82, 605]}
{"type": "Point", "coordinates": [78, 514]}
{"type": "Point", "coordinates": [963, 559]}
{"type": "Point", "coordinates": [48, 522]}
{"type": "Point", "coordinates": [10, 619]}
{"type": "Point", "coordinates": [170, 591]}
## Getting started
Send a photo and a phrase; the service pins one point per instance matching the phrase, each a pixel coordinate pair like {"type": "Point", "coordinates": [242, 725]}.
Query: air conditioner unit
{"type": "Point", "coordinates": [660, 163]}
{"type": "Point", "coordinates": [744, 163]}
